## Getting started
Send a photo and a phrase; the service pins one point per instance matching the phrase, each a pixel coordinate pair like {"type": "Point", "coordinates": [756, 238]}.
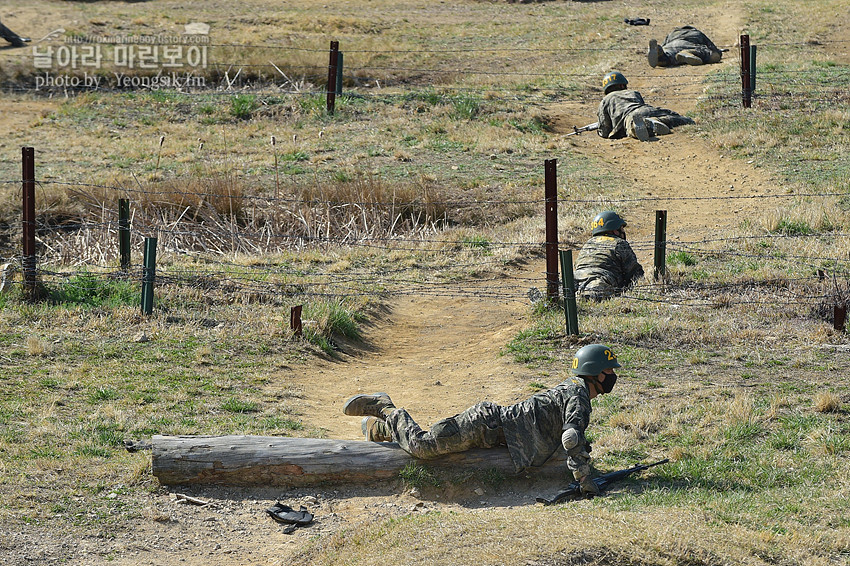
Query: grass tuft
{"type": "Point", "coordinates": [418, 476]}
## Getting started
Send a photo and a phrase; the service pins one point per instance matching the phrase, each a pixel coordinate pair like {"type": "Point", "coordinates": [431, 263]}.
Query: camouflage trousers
{"type": "Point", "coordinates": [597, 288]}
{"type": "Point", "coordinates": [706, 54]}
{"type": "Point", "coordinates": [480, 426]}
{"type": "Point", "coordinates": [670, 118]}
{"type": "Point", "coordinates": [667, 117]}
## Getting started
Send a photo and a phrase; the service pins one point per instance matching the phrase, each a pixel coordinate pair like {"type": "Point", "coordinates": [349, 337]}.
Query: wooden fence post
{"type": "Point", "coordinates": [332, 67]}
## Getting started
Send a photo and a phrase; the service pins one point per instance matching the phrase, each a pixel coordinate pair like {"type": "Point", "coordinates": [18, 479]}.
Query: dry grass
{"type": "Point", "coordinates": [827, 402]}
{"type": "Point", "coordinates": [585, 534]}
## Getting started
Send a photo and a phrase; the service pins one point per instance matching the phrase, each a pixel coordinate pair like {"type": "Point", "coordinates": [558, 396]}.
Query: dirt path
{"type": "Point", "coordinates": [438, 356]}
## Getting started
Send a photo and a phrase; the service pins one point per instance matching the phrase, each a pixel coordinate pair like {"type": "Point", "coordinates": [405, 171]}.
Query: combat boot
{"type": "Point", "coordinates": [375, 405]}
{"type": "Point", "coordinates": [376, 430]}
{"type": "Point", "coordinates": [657, 127]}
{"type": "Point", "coordinates": [638, 128]}
{"type": "Point", "coordinates": [652, 54]}
{"type": "Point", "coordinates": [688, 57]}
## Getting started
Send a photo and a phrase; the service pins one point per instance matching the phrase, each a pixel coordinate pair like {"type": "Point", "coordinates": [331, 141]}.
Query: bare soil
{"type": "Point", "coordinates": [434, 356]}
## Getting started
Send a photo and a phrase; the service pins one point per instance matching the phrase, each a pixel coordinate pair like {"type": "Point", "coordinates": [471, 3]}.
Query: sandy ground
{"type": "Point", "coordinates": [435, 356]}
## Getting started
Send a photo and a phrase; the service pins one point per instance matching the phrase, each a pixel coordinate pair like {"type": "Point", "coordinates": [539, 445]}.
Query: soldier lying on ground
{"type": "Point", "coordinates": [606, 264]}
{"type": "Point", "coordinates": [623, 112]}
{"type": "Point", "coordinates": [532, 430]}
{"type": "Point", "coordinates": [683, 46]}
{"type": "Point", "coordinates": [12, 37]}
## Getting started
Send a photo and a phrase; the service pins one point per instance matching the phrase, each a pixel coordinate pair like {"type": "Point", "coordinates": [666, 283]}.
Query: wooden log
{"type": "Point", "coordinates": [291, 462]}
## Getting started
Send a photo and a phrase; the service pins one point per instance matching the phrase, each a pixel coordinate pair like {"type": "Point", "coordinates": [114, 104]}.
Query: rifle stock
{"type": "Point", "coordinates": [601, 482]}
{"type": "Point", "coordinates": [589, 128]}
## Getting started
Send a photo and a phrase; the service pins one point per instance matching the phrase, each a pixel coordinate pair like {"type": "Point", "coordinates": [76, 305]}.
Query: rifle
{"type": "Point", "coordinates": [601, 482]}
{"type": "Point", "coordinates": [589, 128]}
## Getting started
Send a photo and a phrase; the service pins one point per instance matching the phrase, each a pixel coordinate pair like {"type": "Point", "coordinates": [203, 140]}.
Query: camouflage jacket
{"type": "Point", "coordinates": [613, 110]}
{"type": "Point", "coordinates": [533, 427]}
{"type": "Point", "coordinates": [608, 257]}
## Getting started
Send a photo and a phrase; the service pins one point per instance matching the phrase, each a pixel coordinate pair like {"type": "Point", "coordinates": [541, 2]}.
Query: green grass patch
{"type": "Point", "coordinates": [418, 476]}
{"type": "Point", "coordinates": [243, 106]}
{"type": "Point", "coordinates": [89, 290]}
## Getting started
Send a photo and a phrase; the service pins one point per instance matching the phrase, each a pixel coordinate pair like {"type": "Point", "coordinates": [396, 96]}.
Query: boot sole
{"type": "Point", "coordinates": [652, 54]}
{"type": "Point", "coordinates": [347, 408]}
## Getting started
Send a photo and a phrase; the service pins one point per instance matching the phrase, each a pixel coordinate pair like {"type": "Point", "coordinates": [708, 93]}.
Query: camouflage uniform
{"type": "Point", "coordinates": [11, 37]}
{"type": "Point", "coordinates": [606, 265]}
{"type": "Point", "coordinates": [618, 109]}
{"type": "Point", "coordinates": [531, 429]}
{"type": "Point", "coordinates": [690, 39]}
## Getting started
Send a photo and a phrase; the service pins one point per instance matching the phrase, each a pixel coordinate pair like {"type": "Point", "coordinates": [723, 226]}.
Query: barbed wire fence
{"type": "Point", "coordinates": [333, 224]}
{"type": "Point", "coordinates": [91, 249]}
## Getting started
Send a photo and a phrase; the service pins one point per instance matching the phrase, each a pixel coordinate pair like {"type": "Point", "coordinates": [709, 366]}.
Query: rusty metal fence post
{"type": "Point", "coordinates": [332, 67]}
{"type": "Point", "coordinates": [746, 88]}
{"type": "Point", "coordinates": [295, 320]}
{"type": "Point", "coordinates": [551, 191]}
{"type": "Point", "coordinates": [124, 233]}
{"type": "Point", "coordinates": [839, 317]}
{"type": "Point", "coordinates": [660, 244]}
{"type": "Point", "coordinates": [28, 261]}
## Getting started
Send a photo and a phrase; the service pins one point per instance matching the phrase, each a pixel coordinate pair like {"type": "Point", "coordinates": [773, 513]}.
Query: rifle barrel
{"type": "Point", "coordinates": [602, 481]}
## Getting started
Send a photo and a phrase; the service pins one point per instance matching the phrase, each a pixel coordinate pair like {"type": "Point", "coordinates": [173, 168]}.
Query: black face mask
{"type": "Point", "coordinates": [608, 383]}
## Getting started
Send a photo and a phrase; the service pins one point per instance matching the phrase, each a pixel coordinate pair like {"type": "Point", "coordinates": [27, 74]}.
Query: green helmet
{"type": "Point", "coordinates": [593, 359]}
{"type": "Point", "coordinates": [607, 221]}
{"type": "Point", "coordinates": [612, 79]}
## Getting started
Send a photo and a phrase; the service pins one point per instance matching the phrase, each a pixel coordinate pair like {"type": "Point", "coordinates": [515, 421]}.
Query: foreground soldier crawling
{"type": "Point", "coordinates": [622, 112]}
{"type": "Point", "coordinates": [532, 430]}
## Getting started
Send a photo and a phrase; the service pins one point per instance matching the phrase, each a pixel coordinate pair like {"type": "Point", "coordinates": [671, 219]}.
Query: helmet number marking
{"type": "Point", "coordinates": [610, 354]}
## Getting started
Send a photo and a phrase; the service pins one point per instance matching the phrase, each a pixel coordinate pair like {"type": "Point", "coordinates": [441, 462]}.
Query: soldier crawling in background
{"type": "Point", "coordinates": [683, 46]}
{"type": "Point", "coordinates": [12, 37]}
{"type": "Point", "coordinates": [623, 112]}
{"type": "Point", "coordinates": [606, 264]}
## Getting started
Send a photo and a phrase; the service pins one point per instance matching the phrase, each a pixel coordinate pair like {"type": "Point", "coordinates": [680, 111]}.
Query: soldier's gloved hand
{"type": "Point", "coordinates": [588, 487]}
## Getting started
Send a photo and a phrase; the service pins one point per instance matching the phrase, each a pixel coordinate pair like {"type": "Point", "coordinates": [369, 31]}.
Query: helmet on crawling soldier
{"type": "Point", "coordinates": [614, 80]}
{"type": "Point", "coordinates": [596, 363]}
{"type": "Point", "coordinates": [607, 221]}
